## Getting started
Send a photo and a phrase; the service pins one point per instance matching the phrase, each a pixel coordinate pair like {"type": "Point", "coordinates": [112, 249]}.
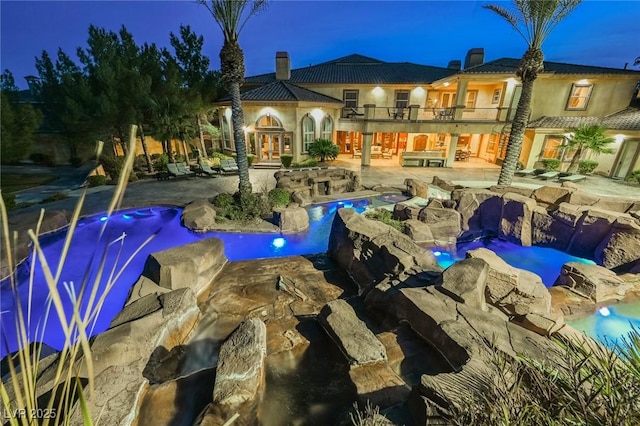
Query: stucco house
{"type": "Point", "coordinates": [408, 111]}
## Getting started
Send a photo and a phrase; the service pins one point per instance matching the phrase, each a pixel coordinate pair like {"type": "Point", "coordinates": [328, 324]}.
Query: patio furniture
{"type": "Point", "coordinates": [172, 170]}
{"type": "Point", "coordinates": [399, 114]}
{"type": "Point", "coordinates": [572, 178]}
{"type": "Point", "coordinates": [183, 168]}
{"type": "Point", "coordinates": [352, 112]}
{"type": "Point", "coordinates": [431, 158]}
{"type": "Point", "coordinates": [376, 151]}
{"type": "Point", "coordinates": [228, 166]}
{"type": "Point", "coordinates": [204, 169]}
{"type": "Point", "coordinates": [525, 172]}
{"type": "Point", "coordinates": [548, 175]}
{"type": "Point", "coordinates": [462, 155]}
{"type": "Point", "coordinates": [356, 153]}
{"type": "Point", "coordinates": [386, 153]}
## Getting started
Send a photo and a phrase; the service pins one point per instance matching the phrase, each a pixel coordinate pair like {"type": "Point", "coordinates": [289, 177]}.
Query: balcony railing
{"type": "Point", "coordinates": [427, 114]}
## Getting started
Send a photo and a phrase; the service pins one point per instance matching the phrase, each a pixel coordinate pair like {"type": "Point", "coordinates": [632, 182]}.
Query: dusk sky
{"type": "Point", "coordinates": [604, 33]}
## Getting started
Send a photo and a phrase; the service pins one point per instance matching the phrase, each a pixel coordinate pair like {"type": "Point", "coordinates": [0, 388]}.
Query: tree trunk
{"type": "Point", "coordinates": [237, 118]}
{"type": "Point", "coordinates": [532, 63]}
{"type": "Point", "coordinates": [204, 148]}
{"type": "Point", "coordinates": [186, 155]}
{"type": "Point", "coordinates": [573, 166]}
{"type": "Point", "coordinates": [172, 158]}
{"type": "Point", "coordinates": [145, 149]}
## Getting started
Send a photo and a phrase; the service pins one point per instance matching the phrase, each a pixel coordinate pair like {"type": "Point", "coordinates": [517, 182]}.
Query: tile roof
{"type": "Point", "coordinates": [284, 91]}
{"type": "Point", "coordinates": [358, 69]}
{"type": "Point", "coordinates": [509, 66]}
{"type": "Point", "coordinates": [628, 119]}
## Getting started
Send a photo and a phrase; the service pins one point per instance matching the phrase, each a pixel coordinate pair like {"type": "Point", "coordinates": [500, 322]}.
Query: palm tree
{"type": "Point", "coordinates": [637, 62]}
{"type": "Point", "coordinates": [587, 137]}
{"type": "Point", "coordinates": [231, 16]}
{"type": "Point", "coordinates": [533, 20]}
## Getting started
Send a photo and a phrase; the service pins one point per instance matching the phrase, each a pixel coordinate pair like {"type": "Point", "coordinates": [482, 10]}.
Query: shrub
{"type": "Point", "coordinates": [279, 197]}
{"type": "Point", "coordinates": [56, 196]}
{"type": "Point", "coordinates": [323, 149]}
{"type": "Point", "coordinates": [252, 205]}
{"type": "Point", "coordinates": [585, 167]}
{"type": "Point", "coordinates": [286, 160]}
{"type": "Point", "coordinates": [9, 200]}
{"type": "Point", "coordinates": [213, 152]}
{"type": "Point", "coordinates": [634, 176]}
{"type": "Point", "coordinates": [160, 162]}
{"type": "Point", "coordinates": [551, 164]}
{"type": "Point", "coordinates": [384, 216]}
{"type": "Point", "coordinates": [250, 158]}
{"type": "Point", "coordinates": [219, 155]}
{"type": "Point", "coordinates": [179, 158]}
{"type": "Point", "coordinates": [140, 163]}
{"type": "Point", "coordinates": [223, 201]}
{"type": "Point", "coordinates": [112, 165]}
{"type": "Point", "coordinates": [96, 180]}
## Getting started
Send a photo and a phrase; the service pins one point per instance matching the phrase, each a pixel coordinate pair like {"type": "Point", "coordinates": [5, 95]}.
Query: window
{"type": "Point", "coordinates": [402, 99]}
{"type": "Point", "coordinates": [226, 135]}
{"type": "Point", "coordinates": [472, 95]}
{"type": "Point", "coordinates": [495, 98]}
{"type": "Point", "coordinates": [448, 99]}
{"type": "Point", "coordinates": [579, 97]}
{"type": "Point", "coordinates": [350, 98]}
{"type": "Point", "coordinates": [551, 147]}
{"type": "Point", "coordinates": [326, 128]}
{"type": "Point", "coordinates": [268, 121]}
{"type": "Point", "coordinates": [308, 132]}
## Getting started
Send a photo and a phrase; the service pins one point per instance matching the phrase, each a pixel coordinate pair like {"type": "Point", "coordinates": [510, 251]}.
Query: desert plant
{"type": "Point", "coordinates": [323, 149]}
{"type": "Point", "coordinates": [551, 164]}
{"type": "Point", "coordinates": [590, 138]}
{"type": "Point", "coordinates": [369, 416]}
{"type": "Point", "coordinates": [160, 161]}
{"type": "Point", "coordinates": [223, 200]}
{"type": "Point", "coordinates": [286, 160]}
{"type": "Point", "coordinates": [77, 321]}
{"type": "Point", "coordinates": [385, 216]}
{"type": "Point", "coordinates": [634, 176]}
{"type": "Point", "coordinates": [250, 158]}
{"type": "Point", "coordinates": [585, 167]}
{"type": "Point", "coordinates": [96, 180]}
{"type": "Point", "coordinates": [279, 197]}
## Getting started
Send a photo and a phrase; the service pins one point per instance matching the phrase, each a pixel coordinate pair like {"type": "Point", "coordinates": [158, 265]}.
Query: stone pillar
{"type": "Point", "coordinates": [461, 99]}
{"type": "Point", "coordinates": [367, 139]}
{"type": "Point", "coordinates": [413, 112]}
{"type": "Point", "coordinates": [453, 145]}
{"type": "Point", "coordinates": [369, 111]}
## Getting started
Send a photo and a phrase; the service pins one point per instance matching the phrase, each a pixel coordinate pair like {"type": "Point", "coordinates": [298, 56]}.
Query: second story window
{"type": "Point", "coordinates": [350, 98]}
{"type": "Point", "coordinates": [402, 99]}
{"type": "Point", "coordinates": [579, 96]}
{"type": "Point", "coordinates": [472, 96]}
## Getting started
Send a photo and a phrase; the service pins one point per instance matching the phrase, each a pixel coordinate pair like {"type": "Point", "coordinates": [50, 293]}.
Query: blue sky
{"type": "Point", "coordinates": [604, 33]}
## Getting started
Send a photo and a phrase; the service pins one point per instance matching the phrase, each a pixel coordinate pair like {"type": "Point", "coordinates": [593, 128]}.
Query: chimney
{"type": "Point", "coordinates": [475, 56]}
{"type": "Point", "coordinates": [283, 66]}
{"type": "Point", "coordinates": [455, 64]}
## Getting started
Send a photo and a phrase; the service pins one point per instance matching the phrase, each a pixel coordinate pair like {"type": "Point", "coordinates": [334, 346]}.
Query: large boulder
{"type": "Point", "coordinates": [551, 195]}
{"type": "Point", "coordinates": [620, 248]}
{"type": "Point", "coordinates": [590, 231]}
{"type": "Point", "coordinates": [402, 211]}
{"type": "Point", "coordinates": [514, 291]}
{"type": "Point", "coordinates": [192, 265]}
{"type": "Point", "coordinates": [515, 224]}
{"type": "Point", "coordinates": [480, 211]}
{"type": "Point", "coordinates": [592, 281]}
{"type": "Point", "coordinates": [417, 188]}
{"type": "Point", "coordinates": [418, 231]}
{"type": "Point", "coordinates": [444, 223]}
{"type": "Point", "coordinates": [291, 220]}
{"type": "Point", "coordinates": [199, 216]}
{"type": "Point", "coordinates": [370, 251]}
{"type": "Point", "coordinates": [352, 336]}
{"type": "Point", "coordinates": [466, 281]}
{"type": "Point", "coordinates": [447, 185]}
{"type": "Point", "coordinates": [378, 385]}
{"type": "Point", "coordinates": [554, 229]}
{"type": "Point", "coordinates": [504, 189]}
{"type": "Point", "coordinates": [240, 373]}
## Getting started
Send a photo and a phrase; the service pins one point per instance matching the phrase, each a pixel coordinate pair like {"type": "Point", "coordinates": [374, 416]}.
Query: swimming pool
{"type": "Point", "coordinates": [138, 224]}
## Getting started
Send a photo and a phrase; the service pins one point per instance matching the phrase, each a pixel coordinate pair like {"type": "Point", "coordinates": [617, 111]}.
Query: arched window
{"type": "Point", "coordinates": [326, 128]}
{"type": "Point", "coordinates": [268, 120]}
{"type": "Point", "coordinates": [308, 132]}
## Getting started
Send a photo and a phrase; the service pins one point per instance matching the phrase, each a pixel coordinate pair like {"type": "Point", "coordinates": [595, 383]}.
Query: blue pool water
{"type": "Point", "coordinates": [138, 224]}
{"type": "Point", "coordinates": [610, 323]}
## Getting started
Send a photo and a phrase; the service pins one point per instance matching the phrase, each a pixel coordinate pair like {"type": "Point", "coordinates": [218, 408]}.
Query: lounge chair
{"type": "Point", "coordinates": [205, 169]}
{"type": "Point", "coordinates": [183, 168]}
{"type": "Point", "coordinates": [386, 153]}
{"type": "Point", "coordinates": [356, 153]}
{"type": "Point", "coordinates": [525, 172]}
{"type": "Point", "coordinates": [548, 175]}
{"type": "Point", "coordinates": [572, 178]}
{"type": "Point", "coordinates": [172, 170]}
{"type": "Point", "coordinates": [228, 166]}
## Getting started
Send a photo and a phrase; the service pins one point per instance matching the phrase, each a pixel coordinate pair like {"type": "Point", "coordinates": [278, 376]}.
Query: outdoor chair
{"type": "Point", "coordinates": [525, 172]}
{"type": "Point", "coordinates": [386, 153]}
{"type": "Point", "coordinates": [172, 170]}
{"type": "Point", "coordinates": [183, 168]}
{"type": "Point", "coordinates": [572, 178]}
{"type": "Point", "coordinates": [228, 166]}
{"type": "Point", "coordinates": [205, 169]}
{"type": "Point", "coordinates": [354, 113]}
{"type": "Point", "coordinates": [356, 153]}
{"type": "Point", "coordinates": [548, 175]}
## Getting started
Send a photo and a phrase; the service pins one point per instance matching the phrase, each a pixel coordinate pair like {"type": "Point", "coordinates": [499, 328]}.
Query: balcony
{"type": "Point", "coordinates": [415, 114]}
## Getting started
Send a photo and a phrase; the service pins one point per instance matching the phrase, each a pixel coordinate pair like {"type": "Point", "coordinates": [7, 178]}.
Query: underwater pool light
{"type": "Point", "coordinates": [437, 253]}
{"type": "Point", "coordinates": [278, 242]}
{"type": "Point", "coordinates": [604, 311]}
{"type": "Point", "coordinates": [126, 216]}
{"type": "Point", "coordinates": [104, 218]}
